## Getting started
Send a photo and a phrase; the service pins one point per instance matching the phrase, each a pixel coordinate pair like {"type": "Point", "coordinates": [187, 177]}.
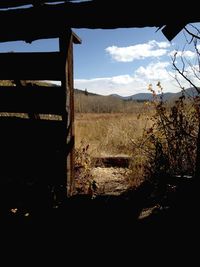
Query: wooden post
{"type": "Point", "coordinates": [66, 50]}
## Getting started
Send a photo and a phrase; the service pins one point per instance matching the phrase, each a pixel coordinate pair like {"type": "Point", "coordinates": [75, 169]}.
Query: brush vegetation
{"type": "Point", "coordinates": [160, 136]}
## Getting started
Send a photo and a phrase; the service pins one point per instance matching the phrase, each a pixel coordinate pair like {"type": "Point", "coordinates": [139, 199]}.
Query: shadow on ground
{"type": "Point", "coordinates": [135, 212]}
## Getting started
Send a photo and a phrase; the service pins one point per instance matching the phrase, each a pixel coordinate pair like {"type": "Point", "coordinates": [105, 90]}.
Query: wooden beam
{"type": "Point", "coordinates": [76, 39]}
{"type": "Point", "coordinates": [18, 3]}
{"type": "Point", "coordinates": [31, 99]}
{"type": "Point", "coordinates": [30, 66]}
{"type": "Point", "coordinates": [71, 128]}
{"type": "Point", "coordinates": [66, 49]}
{"type": "Point", "coordinates": [11, 3]}
{"type": "Point", "coordinates": [50, 21]}
{"type": "Point", "coordinates": [171, 30]}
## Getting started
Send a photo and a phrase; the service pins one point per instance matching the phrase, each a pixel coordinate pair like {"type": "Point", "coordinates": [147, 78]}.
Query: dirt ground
{"type": "Point", "coordinates": [111, 181]}
{"type": "Point", "coordinates": [114, 181]}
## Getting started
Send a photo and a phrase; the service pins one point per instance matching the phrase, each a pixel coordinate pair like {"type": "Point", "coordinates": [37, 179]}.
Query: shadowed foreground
{"type": "Point", "coordinates": [107, 229]}
{"type": "Point", "coordinates": [174, 213]}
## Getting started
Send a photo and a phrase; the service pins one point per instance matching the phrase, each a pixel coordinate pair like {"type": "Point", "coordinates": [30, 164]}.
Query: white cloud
{"type": "Point", "coordinates": [139, 51]}
{"type": "Point", "coordinates": [122, 79]}
{"type": "Point", "coordinates": [186, 54]}
{"type": "Point", "coordinates": [122, 84]}
{"type": "Point", "coordinates": [106, 86]}
{"type": "Point", "coordinates": [138, 82]}
{"type": "Point", "coordinates": [161, 44]}
{"type": "Point", "coordinates": [154, 71]}
{"type": "Point", "coordinates": [131, 84]}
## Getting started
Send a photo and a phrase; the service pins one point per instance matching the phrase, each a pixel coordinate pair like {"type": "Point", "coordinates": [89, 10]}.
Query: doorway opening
{"type": "Point", "coordinates": [122, 82]}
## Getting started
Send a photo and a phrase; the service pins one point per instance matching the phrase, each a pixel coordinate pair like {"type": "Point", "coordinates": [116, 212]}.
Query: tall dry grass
{"type": "Point", "coordinates": [161, 140]}
{"type": "Point", "coordinates": [109, 134]}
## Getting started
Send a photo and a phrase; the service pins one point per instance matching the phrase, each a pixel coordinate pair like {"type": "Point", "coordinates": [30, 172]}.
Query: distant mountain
{"type": "Point", "coordinates": [78, 91]}
{"type": "Point", "coordinates": [142, 96]}
{"type": "Point", "coordinates": [190, 92]}
{"type": "Point", "coordinates": [86, 102]}
{"type": "Point", "coordinates": [117, 96]}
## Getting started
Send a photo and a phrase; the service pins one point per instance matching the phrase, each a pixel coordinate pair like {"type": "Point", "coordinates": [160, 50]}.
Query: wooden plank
{"type": "Point", "coordinates": [76, 39]}
{"type": "Point", "coordinates": [51, 20]}
{"type": "Point", "coordinates": [32, 99]}
{"type": "Point", "coordinates": [18, 3]}
{"type": "Point", "coordinates": [171, 30]}
{"type": "Point", "coordinates": [71, 132]}
{"type": "Point", "coordinates": [31, 149]}
{"type": "Point", "coordinates": [63, 43]}
{"type": "Point", "coordinates": [31, 66]}
{"type": "Point", "coordinates": [47, 129]}
{"type": "Point", "coordinates": [66, 49]}
{"type": "Point", "coordinates": [11, 3]}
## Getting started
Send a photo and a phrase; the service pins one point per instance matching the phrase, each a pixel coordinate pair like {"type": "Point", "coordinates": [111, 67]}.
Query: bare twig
{"type": "Point", "coordinates": [192, 34]}
{"type": "Point", "coordinates": [181, 72]}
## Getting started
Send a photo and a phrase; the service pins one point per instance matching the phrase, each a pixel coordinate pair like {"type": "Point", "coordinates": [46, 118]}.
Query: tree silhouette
{"type": "Point", "coordinates": [190, 72]}
{"type": "Point", "coordinates": [86, 92]}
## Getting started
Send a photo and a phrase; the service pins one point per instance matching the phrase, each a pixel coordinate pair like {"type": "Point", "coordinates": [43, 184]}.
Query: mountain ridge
{"type": "Point", "coordinates": [189, 92]}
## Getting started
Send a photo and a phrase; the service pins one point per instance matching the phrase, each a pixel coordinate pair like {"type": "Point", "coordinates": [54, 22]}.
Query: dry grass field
{"type": "Point", "coordinates": [160, 140]}
{"type": "Point", "coordinates": [101, 135]}
{"type": "Point", "coordinates": [109, 133]}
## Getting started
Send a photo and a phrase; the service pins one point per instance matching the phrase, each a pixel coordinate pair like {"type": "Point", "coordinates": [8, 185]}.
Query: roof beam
{"type": "Point", "coordinates": [18, 3]}
{"type": "Point", "coordinates": [50, 21]}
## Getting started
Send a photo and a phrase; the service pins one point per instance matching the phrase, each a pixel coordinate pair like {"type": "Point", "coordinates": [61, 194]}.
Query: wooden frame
{"type": "Point", "coordinates": [45, 147]}
{"type": "Point", "coordinates": [66, 49]}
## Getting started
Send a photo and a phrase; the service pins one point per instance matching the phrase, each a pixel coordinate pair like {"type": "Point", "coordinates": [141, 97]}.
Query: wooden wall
{"type": "Point", "coordinates": [37, 126]}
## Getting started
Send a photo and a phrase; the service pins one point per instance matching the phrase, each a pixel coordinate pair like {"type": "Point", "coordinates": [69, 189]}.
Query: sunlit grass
{"type": "Point", "coordinates": [109, 134]}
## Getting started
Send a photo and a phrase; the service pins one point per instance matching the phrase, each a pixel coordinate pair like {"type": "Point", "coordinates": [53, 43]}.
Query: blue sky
{"type": "Point", "coordinates": [126, 61]}
{"type": "Point", "coordinates": [121, 61]}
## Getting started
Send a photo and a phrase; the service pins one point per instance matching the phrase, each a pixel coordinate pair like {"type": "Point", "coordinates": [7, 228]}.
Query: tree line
{"type": "Point", "coordinates": [91, 103]}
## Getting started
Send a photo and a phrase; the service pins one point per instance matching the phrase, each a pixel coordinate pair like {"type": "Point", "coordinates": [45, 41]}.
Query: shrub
{"type": "Point", "coordinates": [168, 147]}
{"type": "Point", "coordinates": [84, 182]}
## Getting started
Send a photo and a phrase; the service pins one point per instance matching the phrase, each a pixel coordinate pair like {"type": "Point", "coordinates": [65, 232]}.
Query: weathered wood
{"type": "Point", "coordinates": [50, 21]}
{"type": "Point", "coordinates": [66, 49]}
{"type": "Point", "coordinates": [70, 78]}
{"type": "Point", "coordinates": [31, 99]}
{"type": "Point", "coordinates": [31, 66]}
{"type": "Point", "coordinates": [47, 129]}
{"type": "Point", "coordinates": [76, 39]}
{"type": "Point", "coordinates": [171, 30]}
{"type": "Point", "coordinates": [18, 3]}
{"type": "Point", "coordinates": [31, 149]}
{"type": "Point", "coordinates": [11, 3]}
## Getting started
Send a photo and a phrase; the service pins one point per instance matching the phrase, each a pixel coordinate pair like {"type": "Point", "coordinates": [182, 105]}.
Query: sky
{"type": "Point", "coordinates": [121, 61]}
{"type": "Point", "coordinates": [126, 61]}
